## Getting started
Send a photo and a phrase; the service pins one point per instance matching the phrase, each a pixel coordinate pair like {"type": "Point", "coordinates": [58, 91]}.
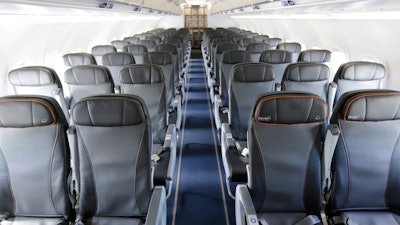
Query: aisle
{"type": "Point", "coordinates": [199, 192]}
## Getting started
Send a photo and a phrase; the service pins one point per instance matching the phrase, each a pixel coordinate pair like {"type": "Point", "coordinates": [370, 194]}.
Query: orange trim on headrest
{"type": "Point", "coordinates": [290, 96]}
{"type": "Point", "coordinates": [36, 101]}
{"type": "Point", "coordinates": [362, 96]}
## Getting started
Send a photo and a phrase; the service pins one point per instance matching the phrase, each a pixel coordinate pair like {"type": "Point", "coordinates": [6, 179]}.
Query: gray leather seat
{"type": "Point", "coordinates": [114, 170]}
{"type": "Point", "coordinates": [165, 60]}
{"type": "Point", "coordinates": [79, 59]}
{"type": "Point", "coordinates": [219, 49]}
{"type": "Point", "coordinates": [365, 168]}
{"type": "Point", "coordinates": [359, 75]}
{"type": "Point", "coordinates": [229, 59]}
{"type": "Point", "coordinates": [120, 44]}
{"type": "Point", "coordinates": [150, 44]}
{"type": "Point", "coordinates": [256, 49]}
{"type": "Point", "coordinates": [293, 47]}
{"type": "Point", "coordinates": [273, 42]}
{"type": "Point", "coordinates": [308, 77]}
{"type": "Point", "coordinates": [132, 40]}
{"type": "Point", "coordinates": [147, 81]}
{"type": "Point", "coordinates": [38, 80]}
{"type": "Point", "coordinates": [137, 51]}
{"type": "Point", "coordinates": [99, 50]}
{"type": "Point", "coordinates": [115, 62]}
{"type": "Point", "coordinates": [315, 55]}
{"type": "Point", "coordinates": [34, 162]}
{"type": "Point", "coordinates": [279, 59]}
{"type": "Point", "coordinates": [284, 185]}
{"type": "Point", "coordinates": [173, 49]}
{"type": "Point", "coordinates": [248, 81]}
{"type": "Point", "coordinates": [83, 81]}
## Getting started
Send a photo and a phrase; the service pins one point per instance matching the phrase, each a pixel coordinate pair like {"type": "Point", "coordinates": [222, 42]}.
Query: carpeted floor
{"type": "Point", "coordinates": [199, 193]}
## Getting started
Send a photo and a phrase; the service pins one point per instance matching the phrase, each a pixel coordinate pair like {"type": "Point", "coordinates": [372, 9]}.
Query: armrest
{"type": "Point", "coordinates": [60, 98]}
{"type": "Point", "coordinates": [278, 86]}
{"type": "Point", "coordinates": [234, 163]}
{"type": "Point", "coordinates": [217, 107]}
{"type": "Point", "coordinates": [331, 139]}
{"type": "Point", "coordinates": [331, 97]}
{"type": "Point", "coordinates": [157, 212]}
{"type": "Point", "coordinates": [176, 112]}
{"type": "Point", "coordinates": [170, 146]}
{"type": "Point", "coordinates": [165, 160]}
{"type": "Point", "coordinates": [117, 89]}
{"type": "Point", "coordinates": [73, 145]}
{"type": "Point", "coordinates": [244, 208]}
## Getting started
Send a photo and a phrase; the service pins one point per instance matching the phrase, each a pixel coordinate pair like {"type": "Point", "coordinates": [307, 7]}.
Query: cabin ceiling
{"type": "Point", "coordinates": [175, 7]}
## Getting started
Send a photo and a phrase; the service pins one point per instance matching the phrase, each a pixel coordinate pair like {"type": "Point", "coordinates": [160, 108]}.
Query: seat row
{"type": "Point", "coordinates": [115, 178]}
{"type": "Point", "coordinates": [296, 173]}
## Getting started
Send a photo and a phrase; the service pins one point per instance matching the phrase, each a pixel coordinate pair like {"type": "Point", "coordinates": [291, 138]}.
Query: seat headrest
{"type": "Point", "coordinates": [142, 74]}
{"type": "Point", "coordinates": [103, 49]}
{"type": "Point", "coordinates": [236, 56]}
{"type": "Point", "coordinates": [368, 105]}
{"type": "Point", "coordinates": [148, 43]}
{"type": "Point", "coordinates": [109, 111]}
{"type": "Point", "coordinates": [21, 111]}
{"type": "Point", "coordinates": [274, 41]}
{"type": "Point", "coordinates": [135, 49]}
{"type": "Point", "coordinates": [290, 108]}
{"type": "Point", "coordinates": [118, 59]}
{"type": "Point", "coordinates": [290, 46]}
{"type": "Point", "coordinates": [216, 41]}
{"type": "Point", "coordinates": [306, 71]}
{"type": "Point", "coordinates": [79, 59]}
{"type": "Point", "coordinates": [222, 47]}
{"type": "Point", "coordinates": [276, 56]}
{"type": "Point", "coordinates": [361, 71]}
{"type": "Point", "coordinates": [315, 55]}
{"type": "Point", "coordinates": [257, 47]}
{"type": "Point", "coordinates": [119, 43]}
{"type": "Point", "coordinates": [87, 75]}
{"type": "Point", "coordinates": [132, 40]}
{"type": "Point", "coordinates": [158, 58]}
{"type": "Point", "coordinates": [33, 76]}
{"type": "Point", "coordinates": [253, 72]}
{"type": "Point", "coordinates": [167, 48]}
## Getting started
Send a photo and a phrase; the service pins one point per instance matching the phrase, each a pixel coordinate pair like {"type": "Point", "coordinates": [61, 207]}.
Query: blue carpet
{"type": "Point", "coordinates": [199, 193]}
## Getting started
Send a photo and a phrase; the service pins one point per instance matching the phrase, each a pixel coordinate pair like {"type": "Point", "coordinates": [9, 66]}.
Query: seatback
{"type": "Point", "coordinates": [229, 59]}
{"type": "Point", "coordinates": [219, 49]}
{"type": "Point", "coordinates": [38, 80]}
{"type": "Point", "coordinates": [165, 61]}
{"type": "Point", "coordinates": [248, 81]}
{"type": "Point", "coordinates": [132, 40]}
{"type": "Point", "coordinates": [147, 81]}
{"type": "Point", "coordinates": [119, 44]}
{"type": "Point", "coordinates": [358, 75]}
{"type": "Point", "coordinates": [34, 161]}
{"type": "Point", "coordinates": [293, 47]}
{"type": "Point", "coordinates": [315, 55]}
{"type": "Point", "coordinates": [137, 51]}
{"type": "Point", "coordinates": [273, 42]}
{"type": "Point", "coordinates": [79, 59]}
{"type": "Point", "coordinates": [365, 166]}
{"type": "Point", "coordinates": [244, 42]}
{"type": "Point", "coordinates": [88, 80]}
{"type": "Point", "coordinates": [307, 76]}
{"type": "Point", "coordinates": [113, 146]}
{"type": "Point", "coordinates": [279, 59]}
{"type": "Point", "coordinates": [99, 50]}
{"type": "Point", "coordinates": [285, 174]}
{"type": "Point", "coordinates": [115, 61]}
{"type": "Point", "coordinates": [173, 49]}
{"type": "Point", "coordinates": [256, 49]}
{"type": "Point", "coordinates": [150, 44]}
